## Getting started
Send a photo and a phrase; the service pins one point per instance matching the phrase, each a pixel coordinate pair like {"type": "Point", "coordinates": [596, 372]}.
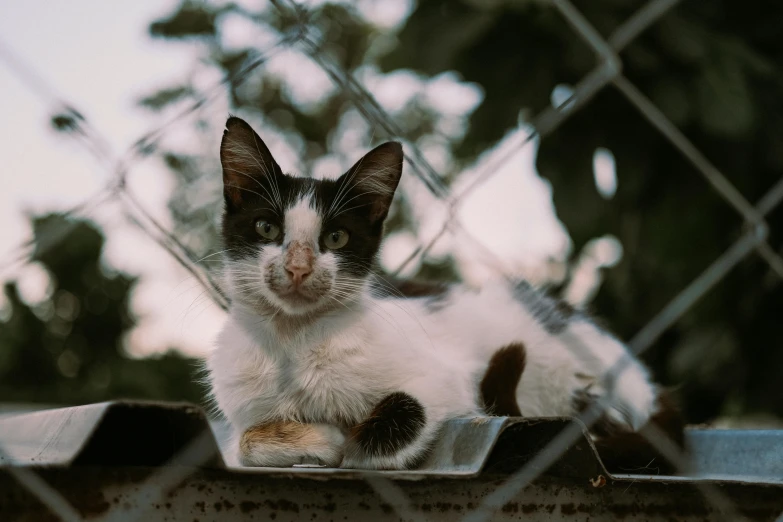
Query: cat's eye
{"type": "Point", "coordinates": [336, 239]}
{"type": "Point", "coordinates": [267, 230]}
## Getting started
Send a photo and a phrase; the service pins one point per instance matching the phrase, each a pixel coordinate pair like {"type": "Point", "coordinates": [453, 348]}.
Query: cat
{"type": "Point", "coordinates": [324, 361]}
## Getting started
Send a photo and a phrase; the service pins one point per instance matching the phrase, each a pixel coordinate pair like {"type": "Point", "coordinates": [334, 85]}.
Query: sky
{"type": "Point", "coordinates": [97, 56]}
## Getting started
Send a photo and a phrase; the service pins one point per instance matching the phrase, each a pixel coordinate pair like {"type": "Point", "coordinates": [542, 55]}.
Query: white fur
{"type": "Point", "coordinates": [326, 449]}
{"type": "Point", "coordinates": [338, 368]}
{"type": "Point", "coordinates": [302, 222]}
{"type": "Point", "coordinates": [320, 350]}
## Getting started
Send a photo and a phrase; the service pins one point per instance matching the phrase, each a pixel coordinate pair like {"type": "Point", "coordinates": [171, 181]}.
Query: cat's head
{"type": "Point", "coordinates": [298, 245]}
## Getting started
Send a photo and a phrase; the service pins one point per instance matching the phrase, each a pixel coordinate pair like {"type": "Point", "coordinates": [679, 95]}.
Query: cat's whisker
{"type": "Point", "coordinates": [213, 254]}
{"type": "Point", "coordinates": [273, 207]}
{"type": "Point", "coordinates": [393, 302]}
{"type": "Point", "coordinates": [345, 185]}
{"type": "Point", "coordinates": [376, 189]}
{"type": "Point", "coordinates": [385, 316]}
{"type": "Point", "coordinates": [277, 206]}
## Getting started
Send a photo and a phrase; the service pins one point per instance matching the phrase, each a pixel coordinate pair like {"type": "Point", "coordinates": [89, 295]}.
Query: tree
{"type": "Point", "coordinates": [712, 68]}
{"type": "Point", "coordinates": [67, 349]}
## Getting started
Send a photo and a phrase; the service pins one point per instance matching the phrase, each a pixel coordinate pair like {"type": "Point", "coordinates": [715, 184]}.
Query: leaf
{"type": "Point", "coordinates": [164, 97]}
{"type": "Point", "coordinates": [435, 34]}
{"type": "Point", "coordinates": [67, 121]}
{"type": "Point", "coordinates": [191, 20]}
{"type": "Point", "coordinates": [724, 100]}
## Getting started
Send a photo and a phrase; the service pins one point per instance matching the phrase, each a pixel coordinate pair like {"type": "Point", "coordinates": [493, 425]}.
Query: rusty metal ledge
{"type": "Point", "coordinates": [145, 434]}
{"type": "Point", "coordinates": [104, 458]}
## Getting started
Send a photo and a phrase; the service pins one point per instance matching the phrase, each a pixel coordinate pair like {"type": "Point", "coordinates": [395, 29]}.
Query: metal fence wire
{"type": "Point", "coordinates": [606, 74]}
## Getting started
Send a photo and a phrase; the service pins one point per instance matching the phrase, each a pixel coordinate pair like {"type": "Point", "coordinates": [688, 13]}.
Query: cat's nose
{"type": "Point", "coordinates": [298, 273]}
{"type": "Point", "coordinates": [299, 262]}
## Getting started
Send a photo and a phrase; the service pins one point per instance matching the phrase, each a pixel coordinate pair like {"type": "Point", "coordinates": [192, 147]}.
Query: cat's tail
{"type": "Point", "coordinates": [624, 451]}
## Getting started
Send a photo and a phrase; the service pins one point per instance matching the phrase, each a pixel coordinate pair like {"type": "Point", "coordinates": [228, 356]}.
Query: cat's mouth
{"type": "Point", "coordinates": [302, 296]}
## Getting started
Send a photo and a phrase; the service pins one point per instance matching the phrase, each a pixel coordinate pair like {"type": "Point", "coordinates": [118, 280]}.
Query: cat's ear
{"type": "Point", "coordinates": [374, 178]}
{"type": "Point", "coordinates": [246, 162]}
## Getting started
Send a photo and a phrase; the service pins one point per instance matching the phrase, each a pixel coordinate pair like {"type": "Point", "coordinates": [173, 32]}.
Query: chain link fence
{"type": "Point", "coordinates": [606, 74]}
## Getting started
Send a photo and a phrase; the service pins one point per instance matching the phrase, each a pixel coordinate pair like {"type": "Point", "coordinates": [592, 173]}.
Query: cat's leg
{"type": "Point", "coordinates": [285, 443]}
{"type": "Point", "coordinates": [396, 435]}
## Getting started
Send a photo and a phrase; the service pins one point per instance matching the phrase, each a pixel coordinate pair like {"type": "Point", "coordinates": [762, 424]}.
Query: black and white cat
{"type": "Point", "coordinates": [322, 360]}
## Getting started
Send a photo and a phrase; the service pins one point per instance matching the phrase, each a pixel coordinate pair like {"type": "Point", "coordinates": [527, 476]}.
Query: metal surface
{"type": "Point", "coordinates": [221, 495]}
{"type": "Point", "coordinates": [753, 455]}
{"type": "Point", "coordinates": [109, 433]}
{"type": "Point", "coordinates": [102, 457]}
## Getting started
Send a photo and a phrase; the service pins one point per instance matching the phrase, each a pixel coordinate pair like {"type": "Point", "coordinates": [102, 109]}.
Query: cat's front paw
{"type": "Point", "coordinates": [285, 444]}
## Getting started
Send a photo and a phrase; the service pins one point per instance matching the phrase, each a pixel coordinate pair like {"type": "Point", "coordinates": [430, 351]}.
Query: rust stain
{"type": "Point", "coordinates": [282, 505]}
{"type": "Point", "coordinates": [246, 506]}
{"type": "Point", "coordinates": [510, 507]}
{"type": "Point", "coordinates": [568, 509]}
{"type": "Point", "coordinates": [443, 506]}
{"type": "Point", "coordinates": [529, 508]}
{"type": "Point", "coordinates": [93, 503]}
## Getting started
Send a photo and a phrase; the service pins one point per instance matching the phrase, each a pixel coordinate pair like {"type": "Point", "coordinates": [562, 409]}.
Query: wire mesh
{"type": "Point", "coordinates": [607, 73]}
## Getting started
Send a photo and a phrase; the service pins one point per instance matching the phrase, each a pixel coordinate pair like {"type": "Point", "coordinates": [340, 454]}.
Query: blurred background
{"type": "Point", "coordinates": [110, 192]}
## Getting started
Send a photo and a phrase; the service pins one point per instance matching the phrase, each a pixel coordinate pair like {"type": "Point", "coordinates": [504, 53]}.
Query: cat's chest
{"type": "Point", "coordinates": [328, 381]}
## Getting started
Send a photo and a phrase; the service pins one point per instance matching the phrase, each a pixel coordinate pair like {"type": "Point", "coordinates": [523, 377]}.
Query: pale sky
{"type": "Point", "coordinates": [98, 56]}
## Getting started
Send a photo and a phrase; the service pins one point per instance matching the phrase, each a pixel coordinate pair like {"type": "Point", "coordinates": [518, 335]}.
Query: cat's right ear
{"type": "Point", "coordinates": [246, 162]}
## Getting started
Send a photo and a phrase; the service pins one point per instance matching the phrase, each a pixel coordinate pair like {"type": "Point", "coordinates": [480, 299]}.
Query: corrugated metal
{"type": "Point", "coordinates": [109, 433]}
{"type": "Point", "coordinates": [102, 457]}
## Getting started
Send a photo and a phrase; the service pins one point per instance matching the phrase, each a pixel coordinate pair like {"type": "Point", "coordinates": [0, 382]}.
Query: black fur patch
{"type": "Point", "coordinates": [498, 388]}
{"type": "Point", "coordinates": [553, 314]}
{"type": "Point", "coordinates": [393, 424]}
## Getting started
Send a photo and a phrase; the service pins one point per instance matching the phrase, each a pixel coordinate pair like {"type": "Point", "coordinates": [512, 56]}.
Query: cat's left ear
{"type": "Point", "coordinates": [374, 178]}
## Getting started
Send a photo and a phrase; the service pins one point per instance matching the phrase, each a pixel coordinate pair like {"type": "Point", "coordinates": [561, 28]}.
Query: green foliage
{"type": "Point", "coordinates": [68, 349]}
{"type": "Point", "coordinates": [343, 36]}
{"type": "Point", "coordinates": [67, 121]}
{"type": "Point", "coordinates": [192, 19]}
{"type": "Point", "coordinates": [165, 97]}
{"type": "Point", "coordinates": [713, 68]}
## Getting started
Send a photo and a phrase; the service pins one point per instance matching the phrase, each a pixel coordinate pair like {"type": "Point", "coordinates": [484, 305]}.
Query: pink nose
{"type": "Point", "coordinates": [297, 273]}
{"type": "Point", "coordinates": [299, 261]}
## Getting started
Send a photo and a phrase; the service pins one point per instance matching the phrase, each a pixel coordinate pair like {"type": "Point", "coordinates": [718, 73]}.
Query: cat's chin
{"type": "Point", "coordinates": [295, 303]}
